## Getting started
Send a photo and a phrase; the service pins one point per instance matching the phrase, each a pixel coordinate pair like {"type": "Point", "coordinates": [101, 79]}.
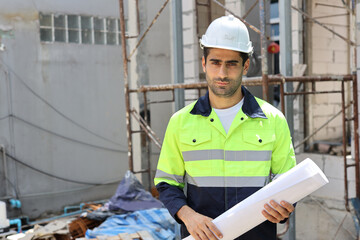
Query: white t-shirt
{"type": "Point", "coordinates": [227, 115]}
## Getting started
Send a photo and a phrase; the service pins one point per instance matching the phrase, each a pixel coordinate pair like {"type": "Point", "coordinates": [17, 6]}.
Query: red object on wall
{"type": "Point", "coordinates": [273, 48]}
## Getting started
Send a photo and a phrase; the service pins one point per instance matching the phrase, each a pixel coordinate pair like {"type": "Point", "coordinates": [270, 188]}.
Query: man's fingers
{"type": "Point", "coordinates": [284, 212]}
{"type": "Point", "coordinates": [269, 217]}
{"type": "Point", "coordinates": [215, 230]}
{"type": "Point", "coordinates": [288, 206]}
{"type": "Point", "coordinates": [274, 213]}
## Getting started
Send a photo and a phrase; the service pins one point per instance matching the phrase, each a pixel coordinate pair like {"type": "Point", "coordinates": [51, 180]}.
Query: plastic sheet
{"type": "Point", "coordinates": [131, 196]}
{"type": "Point", "coordinates": [291, 186]}
{"type": "Point", "coordinates": [157, 221]}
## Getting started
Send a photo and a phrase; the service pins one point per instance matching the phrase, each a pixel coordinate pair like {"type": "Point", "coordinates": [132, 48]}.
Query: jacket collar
{"type": "Point", "coordinates": [250, 107]}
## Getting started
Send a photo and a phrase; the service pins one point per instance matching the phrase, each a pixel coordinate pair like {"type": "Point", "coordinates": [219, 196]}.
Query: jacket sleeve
{"type": "Point", "coordinates": [169, 178]}
{"type": "Point", "coordinates": [283, 155]}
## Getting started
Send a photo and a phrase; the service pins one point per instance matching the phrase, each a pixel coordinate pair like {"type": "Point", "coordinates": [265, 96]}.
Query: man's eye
{"type": "Point", "coordinates": [232, 64]}
{"type": "Point", "coordinates": [215, 63]}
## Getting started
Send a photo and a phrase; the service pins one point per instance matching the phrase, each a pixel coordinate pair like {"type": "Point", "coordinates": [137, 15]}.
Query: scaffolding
{"type": "Point", "coordinates": [265, 80]}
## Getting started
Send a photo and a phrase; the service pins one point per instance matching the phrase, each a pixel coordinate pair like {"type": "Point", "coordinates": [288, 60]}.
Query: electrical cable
{"type": "Point", "coordinates": [55, 109]}
{"type": "Point", "coordinates": [67, 138]}
{"type": "Point", "coordinates": [61, 192]}
{"type": "Point", "coordinates": [4, 117]}
{"type": "Point", "coordinates": [58, 177]}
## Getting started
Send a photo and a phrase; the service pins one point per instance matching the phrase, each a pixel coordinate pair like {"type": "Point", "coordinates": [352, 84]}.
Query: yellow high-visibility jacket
{"type": "Point", "coordinates": [218, 170]}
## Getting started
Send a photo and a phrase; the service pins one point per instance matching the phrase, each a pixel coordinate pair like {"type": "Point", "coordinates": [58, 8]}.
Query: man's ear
{"type": "Point", "coordinates": [246, 66]}
{"type": "Point", "coordinates": [203, 63]}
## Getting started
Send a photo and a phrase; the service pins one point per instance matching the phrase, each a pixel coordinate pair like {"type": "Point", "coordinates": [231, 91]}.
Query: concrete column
{"type": "Point", "coordinates": [191, 48]}
{"type": "Point", "coordinates": [134, 79]}
{"type": "Point", "coordinates": [297, 57]}
{"type": "Point", "coordinates": [177, 51]}
{"type": "Point", "coordinates": [286, 70]}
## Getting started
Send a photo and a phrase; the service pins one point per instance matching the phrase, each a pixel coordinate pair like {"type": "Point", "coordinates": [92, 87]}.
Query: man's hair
{"type": "Point", "coordinates": [244, 56]}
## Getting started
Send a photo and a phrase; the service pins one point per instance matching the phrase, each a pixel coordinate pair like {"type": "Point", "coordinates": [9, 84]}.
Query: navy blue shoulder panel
{"type": "Point", "coordinates": [250, 107]}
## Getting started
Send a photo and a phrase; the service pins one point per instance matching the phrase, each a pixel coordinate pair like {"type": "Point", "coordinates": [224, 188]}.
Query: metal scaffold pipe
{"type": "Point", "coordinates": [126, 84]}
{"type": "Point", "coordinates": [264, 62]}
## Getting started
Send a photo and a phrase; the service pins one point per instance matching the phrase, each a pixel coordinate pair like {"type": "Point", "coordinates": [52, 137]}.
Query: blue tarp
{"type": "Point", "coordinates": [131, 196]}
{"type": "Point", "coordinates": [157, 221]}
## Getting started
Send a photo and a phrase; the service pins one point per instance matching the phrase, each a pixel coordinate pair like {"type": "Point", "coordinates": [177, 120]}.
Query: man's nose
{"type": "Point", "coordinates": [223, 71]}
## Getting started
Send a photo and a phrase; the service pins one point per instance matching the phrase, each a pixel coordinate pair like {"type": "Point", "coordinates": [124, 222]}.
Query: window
{"type": "Point", "coordinates": [86, 30]}
{"type": "Point", "coordinates": [60, 29]}
{"type": "Point", "coordinates": [274, 20]}
{"type": "Point", "coordinates": [46, 23]}
{"type": "Point", "coordinates": [111, 31]}
{"type": "Point", "coordinates": [73, 28]}
{"type": "Point", "coordinates": [79, 29]}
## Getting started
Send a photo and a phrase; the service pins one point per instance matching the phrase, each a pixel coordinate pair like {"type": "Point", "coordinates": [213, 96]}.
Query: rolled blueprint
{"type": "Point", "coordinates": [292, 186]}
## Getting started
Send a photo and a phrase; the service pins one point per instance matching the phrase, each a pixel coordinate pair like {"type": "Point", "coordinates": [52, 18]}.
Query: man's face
{"type": "Point", "coordinates": [224, 70]}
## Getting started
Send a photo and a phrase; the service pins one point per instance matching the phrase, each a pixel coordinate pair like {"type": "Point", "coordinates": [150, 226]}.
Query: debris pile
{"type": "Point", "coordinates": [132, 213]}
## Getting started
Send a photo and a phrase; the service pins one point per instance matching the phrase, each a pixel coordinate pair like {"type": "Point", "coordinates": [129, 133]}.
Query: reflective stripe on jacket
{"type": "Point", "coordinates": [219, 169]}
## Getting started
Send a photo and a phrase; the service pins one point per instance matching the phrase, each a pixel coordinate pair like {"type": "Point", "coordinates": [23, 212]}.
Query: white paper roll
{"type": "Point", "coordinates": [292, 186]}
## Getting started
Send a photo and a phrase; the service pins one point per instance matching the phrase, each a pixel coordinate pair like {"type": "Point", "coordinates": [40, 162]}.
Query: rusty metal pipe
{"type": "Point", "coordinates": [312, 92]}
{"type": "Point", "coordinates": [322, 25]}
{"type": "Point", "coordinates": [126, 85]}
{"type": "Point", "coordinates": [346, 198]}
{"type": "Point", "coordinates": [145, 127]}
{"type": "Point", "coordinates": [356, 135]}
{"type": "Point", "coordinates": [250, 9]}
{"type": "Point", "coordinates": [263, 43]}
{"type": "Point", "coordinates": [321, 127]}
{"type": "Point", "coordinates": [147, 145]}
{"type": "Point", "coordinates": [148, 29]}
{"type": "Point", "coordinates": [282, 98]}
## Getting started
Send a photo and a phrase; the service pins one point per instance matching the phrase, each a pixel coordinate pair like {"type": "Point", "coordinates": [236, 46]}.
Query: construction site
{"type": "Point", "coordinates": [87, 89]}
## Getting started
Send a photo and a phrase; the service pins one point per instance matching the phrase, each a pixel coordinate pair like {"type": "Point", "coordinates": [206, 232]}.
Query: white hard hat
{"type": "Point", "coordinates": [227, 32]}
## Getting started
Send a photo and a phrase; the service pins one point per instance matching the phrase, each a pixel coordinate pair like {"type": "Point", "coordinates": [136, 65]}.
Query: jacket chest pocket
{"type": "Point", "coordinates": [255, 140]}
{"type": "Point", "coordinates": [194, 139]}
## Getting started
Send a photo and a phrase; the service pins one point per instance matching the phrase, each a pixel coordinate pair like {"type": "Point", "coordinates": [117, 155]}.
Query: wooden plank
{"type": "Point", "coordinates": [134, 236]}
{"type": "Point", "coordinates": [145, 235]}
{"type": "Point", "coordinates": [113, 238]}
{"type": "Point", "coordinates": [124, 236]}
{"type": "Point", "coordinates": [102, 237]}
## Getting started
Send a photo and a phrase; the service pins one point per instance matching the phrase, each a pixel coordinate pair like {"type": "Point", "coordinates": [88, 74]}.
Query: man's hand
{"type": "Point", "coordinates": [275, 212]}
{"type": "Point", "coordinates": [198, 225]}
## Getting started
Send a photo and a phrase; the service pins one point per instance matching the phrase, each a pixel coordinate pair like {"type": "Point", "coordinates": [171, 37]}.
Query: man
{"type": "Point", "coordinates": [225, 146]}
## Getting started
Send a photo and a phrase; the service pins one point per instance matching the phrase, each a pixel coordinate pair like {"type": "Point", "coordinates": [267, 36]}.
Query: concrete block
{"type": "Point", "coordinates": [319, 68]}
{"type": "Point", "coordinates": [319, 31]}
{"type": "Point", "coordinates": [189, 53]}
{"type": "Point", "coordinates": [341, 57]}
{"type": "Point", "coordinates": [322, 55]}
{"type": "Point", "coordinates": [327, 191]}
{"type": "Point", "coordinates": [335, 98]}
{"type": "Point", "coordinates": [321, 98]}
{"type": "Point", "coordinates": [326, 86]}
{"type": "Point", "coordinates": [338, 44]}
{"type": "Point", "coordinates": [334, 167]}
{"type": "Point", "coordinates": [188, 6]}
{"type": "Point", "coordinates": [322, 42]}
{"type": "Point", "coordinates": [321, 110]}
{"type": "Point", "coordinates": [188, 20]}
{"type": "Point", "coordinates": [341, 30]}
{"type": "Point", "coordinates": [189, 70]}
{"type": "Point", "coordinates": [188, 36]}
{"type": "Point", "coordinates": [337, 68]}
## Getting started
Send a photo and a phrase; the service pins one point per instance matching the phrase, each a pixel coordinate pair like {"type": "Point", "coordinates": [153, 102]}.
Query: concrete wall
{"type": "Point", "coordinates": [157, 61]}
{"type": "Point", "coordinates": [297, 58]}
{"type": "Point", "coordinates": [326, 54]}
{"type": "Point", "coordinates": [62, 97]}
{"type": "Point", "coordinates": [322, 214]}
